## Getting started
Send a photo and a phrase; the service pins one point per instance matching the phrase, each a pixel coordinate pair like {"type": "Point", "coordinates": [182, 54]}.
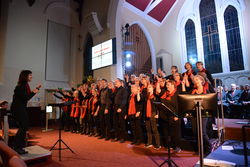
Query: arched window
{"type": "Point", "coordinates": [233, 39]}
{"type": "Point", "coordinates": [191, 46]}
{"type": "Point", "coordinates": [210, 36]}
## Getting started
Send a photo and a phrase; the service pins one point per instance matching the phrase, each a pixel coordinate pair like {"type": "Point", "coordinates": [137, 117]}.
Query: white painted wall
{"type": "Point", "coordinates": [167, 37]}
{"type": "Point", "coordinates": [26, 44]}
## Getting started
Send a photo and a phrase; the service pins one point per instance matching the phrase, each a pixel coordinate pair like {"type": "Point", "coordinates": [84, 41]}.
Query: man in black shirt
{"type": "Point", "coordinates": [105, 98]}
{"type": "Point", "coordinates": [120, 111]}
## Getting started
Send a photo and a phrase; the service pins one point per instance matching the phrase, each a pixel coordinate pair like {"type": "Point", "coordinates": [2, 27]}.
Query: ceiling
{"type": "Point", "coordinates": [155, 9]}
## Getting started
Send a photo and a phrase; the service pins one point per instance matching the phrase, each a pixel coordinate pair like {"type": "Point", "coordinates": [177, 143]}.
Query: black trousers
{"type": "Point", "coordinates": [85, 127]}
{"type": "Point", "coordinates": [105, 122]}
{"type": "Point", "coordinates": [136, 127]}
{"type": "Point", "coordinates": [119, 125]}
{"type": "Point", "coordinates": [66, 120]}
{"type": "Point", "coordinates": [173, 132]}
{"type": "Point", "coordinates": [91, 123]}
{"type": "Point", "coordinates": [97, 124]}
{"type": "Point", "coordinates": [75, 123]}
{"type": "Point", "coordinates": [152, 130]}
{"type": "Point", "coordinates": [207, 144]}
{"type": "Point", "coordinates": [22, 123]}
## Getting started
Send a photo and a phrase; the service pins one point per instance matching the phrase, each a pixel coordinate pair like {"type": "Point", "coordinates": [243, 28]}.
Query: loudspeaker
{"type": "Point", "coordinates": [93, 23]}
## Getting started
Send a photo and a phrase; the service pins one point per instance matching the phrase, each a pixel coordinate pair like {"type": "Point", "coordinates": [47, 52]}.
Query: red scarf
{"type": "Point", "coordinates": [132, 109]}
{"type": "Point", "coordinates": [75, 109]}
{"type": "Point", "coordinates": [93, 104]}
{"type": "Point", "coordinates": [189, 72]}
{"type": "Point", "coordinates": [65, 108]}
{"type": "Point", "coordinates": [195, 91]}
{"type": "Point", "coordinates": [28, 91]}
{"type": "Point", "coordinates": [204, 70]}
{"type": "Point", "coordinates": [177, 83]}
{"type": "Point", "coordinates": [168, 95]}
{"type": "Point", "coordinates": [142, 87]}
{"type": "Point", "coordinates": [84, 108]}
{"type": "Point", "coordinates": [149, 106]}
{"type": "Point", "coordinates": [89, 103]}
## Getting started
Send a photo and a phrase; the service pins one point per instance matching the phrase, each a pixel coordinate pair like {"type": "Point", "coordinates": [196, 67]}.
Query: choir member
{"type": "Point", "coordinates": [75, 113]}
{"type": "Point", "coordinates": [120, 108]}
{"type": "Point", "coordinates": [65, 97]}
{"type": "Point", "coordinates": [178, 82]}
{"type": "Point", "coordinates": [169, 98]}
{"type": "Point", "coordinates": [174, 69]}
{"type": "Point", "coordinates": [104, 115]}
{"type": "Point", "coordinates": [84, 113]}
{"type": "Point", "coordinates": [22, 94]}
{"type": "Point", "coordinates": [94, 107]}
{"type": "Point", "coordinates": [151, 119]}
{"type": "Point", "coordinates": [202, 70]}
{"type": "Point", "coordinates": [135, 114]}
{"type": "Point", "coordinates": [199, 88]}
{"type": "Point", "coordinates": [190, 73]}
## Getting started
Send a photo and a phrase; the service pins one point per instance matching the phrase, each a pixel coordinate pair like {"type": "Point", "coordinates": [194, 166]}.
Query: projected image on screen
{"type": "Point", "coordinates": [102, 55]}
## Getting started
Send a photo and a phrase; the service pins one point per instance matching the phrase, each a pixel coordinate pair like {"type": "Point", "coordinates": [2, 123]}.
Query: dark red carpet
{"type": "Point", "coordinates": [93, 152]}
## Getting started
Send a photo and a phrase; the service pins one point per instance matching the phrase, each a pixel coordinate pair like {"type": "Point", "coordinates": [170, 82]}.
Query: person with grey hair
{"type": "Point", "coordinates": [221, 98]}
{"type": "Point", "coordinates": [233, 97]}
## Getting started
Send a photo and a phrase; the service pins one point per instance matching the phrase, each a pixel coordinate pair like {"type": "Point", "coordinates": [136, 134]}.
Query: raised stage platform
{"type": "Point", "coordinates": [36, 154]}
{"type": "Point", "coordinates": [233, 129]}
{"type": "Point", "coordinates": [229, 154]}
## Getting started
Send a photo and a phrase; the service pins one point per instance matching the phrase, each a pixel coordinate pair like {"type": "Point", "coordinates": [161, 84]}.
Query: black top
{"type": "Point", "coordinates": [105, 97]}
{"type": "Point", "coordinates": [120, 98]}
{"type": "Point", "coordinates": [20, 99]}
{"type": "Point", "coordinates": [138, 104]}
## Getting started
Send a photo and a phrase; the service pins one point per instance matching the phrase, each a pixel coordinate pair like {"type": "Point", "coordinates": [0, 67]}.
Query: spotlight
{"type": "Point", "coordinates": [192, 59]}
{"type": "Point", "coordinates": [128, 55]}
{"type": "Point", "coordinates": [128, 64]}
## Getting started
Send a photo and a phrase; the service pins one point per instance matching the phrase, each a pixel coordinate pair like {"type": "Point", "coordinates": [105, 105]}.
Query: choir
{"type": "Point", "coordinates": [125, 109]}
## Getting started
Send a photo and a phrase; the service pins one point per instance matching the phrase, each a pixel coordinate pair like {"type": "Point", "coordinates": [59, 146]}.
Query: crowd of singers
{"type": "Point", "coordinates": [125, 109]}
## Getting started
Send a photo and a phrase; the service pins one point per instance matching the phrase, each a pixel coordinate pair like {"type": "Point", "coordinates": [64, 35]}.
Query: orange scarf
{"type": "Point", "coordinates": [94, 101]}
{"type": "Point", "coordinates": [168, 95]}
{"type": "Point", "coordinates": [195, 91]}
{"type": "Point", "coordinates": [132, 109]}
{"type": "Point", "coordinates": [149, 106]}
{"type": "Point", "coordinates": [177, 83]}
{"type": "Point", "coordinates": [75, 109]}
{"type": "Point", "coordinates": [89, 103]}
{"type": "Point", "coordinates": [84, 108]}
{"type": "Point", "coordinates": [65, 108]}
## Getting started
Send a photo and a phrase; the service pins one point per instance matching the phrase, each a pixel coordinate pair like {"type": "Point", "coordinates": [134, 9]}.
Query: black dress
{"type": "Point", "coordinates": [22, 95]}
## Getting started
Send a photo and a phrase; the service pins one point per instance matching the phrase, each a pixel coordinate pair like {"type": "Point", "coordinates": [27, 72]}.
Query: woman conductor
{"type": "Point", "coordinates": [22, 94]}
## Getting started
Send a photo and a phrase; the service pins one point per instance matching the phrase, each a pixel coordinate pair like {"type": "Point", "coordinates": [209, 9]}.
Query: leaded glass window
{"type": "Point", "coordinates": [233, 39]}
{"type": "Point", "coordinates": [210, 36]}
{"type": "Point", "coordinates": [191, 42]}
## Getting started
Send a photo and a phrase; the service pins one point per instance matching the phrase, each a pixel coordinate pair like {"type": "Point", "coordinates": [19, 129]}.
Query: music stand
{"type": "Point", "coordinates": [60, 141]}
{"type": "Point", "coordinates": [204, 105]}
{"type": "Point", "coordinates": [170, 113]}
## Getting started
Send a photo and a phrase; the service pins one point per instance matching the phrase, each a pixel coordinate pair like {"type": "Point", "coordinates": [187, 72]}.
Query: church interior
{"type": "Point", "coordinates": [125, 83]}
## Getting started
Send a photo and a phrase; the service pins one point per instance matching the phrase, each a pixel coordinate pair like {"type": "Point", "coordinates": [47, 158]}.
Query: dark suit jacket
{"type": "Point", "coordinates": [105, 97]}
{"type": "Point", "coordinates": [235, 98]}
{"type": "Point", "coordinates": [120, 99]}
{"type": "Point", "coordinates": [245, 96]}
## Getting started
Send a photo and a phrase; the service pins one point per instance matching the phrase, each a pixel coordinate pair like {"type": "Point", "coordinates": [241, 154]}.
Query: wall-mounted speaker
{"type": "Point", "coordinates": [93, 23]}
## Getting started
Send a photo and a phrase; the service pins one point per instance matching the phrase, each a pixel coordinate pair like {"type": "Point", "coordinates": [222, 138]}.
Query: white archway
{"type": "Point", "coordinates": [150, 42]}
{"type": "Point", "coordinates": [118, 25]}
